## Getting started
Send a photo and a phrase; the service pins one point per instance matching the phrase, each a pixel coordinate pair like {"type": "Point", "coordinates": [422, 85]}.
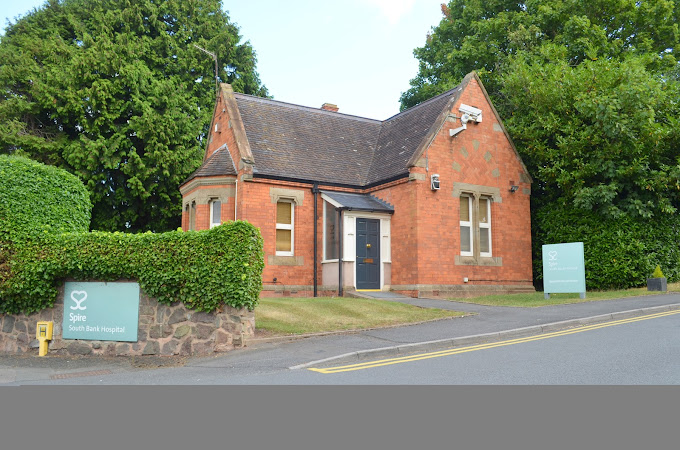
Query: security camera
{"type": "Point", "coordinates": [472, 112]}
{"type": "Point", "coordinates": [465, 118]}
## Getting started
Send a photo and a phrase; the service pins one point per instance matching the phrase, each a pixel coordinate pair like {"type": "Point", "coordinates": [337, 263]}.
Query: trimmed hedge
{"type": "Point", "coordinates": [619, 253]}
{"type": "Point", "coordinates": [39, 198]}
{"type": "Point", "coordinates": [202, 269]}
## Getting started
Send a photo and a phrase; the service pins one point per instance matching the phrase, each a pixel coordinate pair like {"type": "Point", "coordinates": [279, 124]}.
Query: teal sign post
{"type": "Point", "coordinates": [564, 269]}
{"type": "Point", "coordinates": [100, 311]}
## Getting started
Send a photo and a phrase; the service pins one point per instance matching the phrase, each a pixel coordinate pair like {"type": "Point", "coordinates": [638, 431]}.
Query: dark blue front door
{"type": "Point", "coordinates": [368, 254]}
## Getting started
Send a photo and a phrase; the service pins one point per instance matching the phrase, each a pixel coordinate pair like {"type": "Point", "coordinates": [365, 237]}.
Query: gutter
{"type": "Point", "coordinates": [341, 185]}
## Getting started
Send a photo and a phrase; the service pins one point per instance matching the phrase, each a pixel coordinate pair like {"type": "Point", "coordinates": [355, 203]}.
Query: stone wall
{"type": "Point", "coordinates": [163, 330]}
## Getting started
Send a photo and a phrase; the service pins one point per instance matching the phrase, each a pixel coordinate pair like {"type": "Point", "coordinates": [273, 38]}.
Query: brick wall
{"type": "Point", "coordinates": [480, 155]}
{"type": "Point", "coordinates": [425, 230]}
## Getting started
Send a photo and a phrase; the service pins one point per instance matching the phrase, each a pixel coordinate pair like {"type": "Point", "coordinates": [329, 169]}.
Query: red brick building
{"type": "Point", "coordinates": [432, 201]}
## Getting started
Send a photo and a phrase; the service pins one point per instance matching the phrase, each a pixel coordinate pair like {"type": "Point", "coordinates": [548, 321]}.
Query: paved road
{"type": "Point", "coordinates": [640, 351]}
{"type": "Point", "coordinates": [274, 360]}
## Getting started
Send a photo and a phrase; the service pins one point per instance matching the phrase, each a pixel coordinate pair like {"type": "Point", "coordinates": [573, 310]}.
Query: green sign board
{"type": "Point", "coordinates": [564, 269]}
{"type": "Point", "coordinates": [100, 311]}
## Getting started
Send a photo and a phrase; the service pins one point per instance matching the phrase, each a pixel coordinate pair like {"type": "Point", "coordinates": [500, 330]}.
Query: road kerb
{"type": "Point", "coordinates": [400, 350]}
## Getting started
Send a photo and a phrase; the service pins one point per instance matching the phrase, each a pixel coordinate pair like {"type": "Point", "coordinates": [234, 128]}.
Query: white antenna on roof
{"type": "Point", "coordinates": [215, 58]}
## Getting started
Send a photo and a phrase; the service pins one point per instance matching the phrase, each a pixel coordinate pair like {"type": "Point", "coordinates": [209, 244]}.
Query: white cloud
{"type": "Point", "coordinates": [394, 10]}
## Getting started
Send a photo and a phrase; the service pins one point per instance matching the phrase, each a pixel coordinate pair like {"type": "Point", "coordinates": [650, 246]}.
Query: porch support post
{"type": "Point", "coordinates": [340, 251]}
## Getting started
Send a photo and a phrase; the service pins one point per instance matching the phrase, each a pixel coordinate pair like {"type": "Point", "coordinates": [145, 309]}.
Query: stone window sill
{"type": "Point", "coordinates": [495, 261]}
{"type": "Point", "coordinates": [273, 260]}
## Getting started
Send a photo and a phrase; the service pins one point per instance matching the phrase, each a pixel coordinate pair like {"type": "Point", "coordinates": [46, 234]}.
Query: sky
{"type": "Point", "coordinates": [356, 54]}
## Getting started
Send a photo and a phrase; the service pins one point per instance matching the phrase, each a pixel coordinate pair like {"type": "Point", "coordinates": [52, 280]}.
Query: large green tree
{"type": "Point", "coordinates": [482, 35]}
{"type": "Point", "coordinates": [600, 136]}
{"type": "Point", "coordinates": [588, 90]}
{"type": "Point", "coordinates": [116, 92]}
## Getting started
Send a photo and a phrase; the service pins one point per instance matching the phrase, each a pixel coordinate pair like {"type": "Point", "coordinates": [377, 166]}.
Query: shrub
{"type": "Point", "coordinates": [39, 198]}
{"type": "Point", "coordinates": [657, 272]}
{"type": "Point", "coordinates": [202, 269]}
{"type": "Point", "coordinates": [619, 253]}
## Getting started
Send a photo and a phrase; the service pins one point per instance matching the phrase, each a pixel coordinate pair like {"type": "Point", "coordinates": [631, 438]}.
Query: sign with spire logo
{"type": "Point", "coordinates": [564, 269]}
{"type": "Point", "coordinates": [100, 311]}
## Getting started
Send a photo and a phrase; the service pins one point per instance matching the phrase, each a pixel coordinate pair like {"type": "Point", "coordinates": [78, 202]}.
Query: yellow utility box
{"type": "Point", "coordinates": [43, 333]}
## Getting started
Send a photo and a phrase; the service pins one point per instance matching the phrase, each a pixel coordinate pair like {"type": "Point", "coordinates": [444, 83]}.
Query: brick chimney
{"type": "Point", "coordinates": [330, 107]}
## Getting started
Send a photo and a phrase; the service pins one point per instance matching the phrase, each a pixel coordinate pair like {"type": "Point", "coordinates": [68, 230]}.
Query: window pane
{"type": "Point", "coordinates": [465, 239]}
{"type": "Point", "coordinates": [483, 210]}
{"type": "Point", "coordinates": [484, 240]}
{"type": "Point", "coordinates": [283, 212]}
{"type": "Point", "coordinates": [217, 212]}
{"type": "Point", "coordinates": [331, 232]}
{"type": "Point", "coordinates": [283, 240]}
{"type": "Point", "coordinates": [465, 209]}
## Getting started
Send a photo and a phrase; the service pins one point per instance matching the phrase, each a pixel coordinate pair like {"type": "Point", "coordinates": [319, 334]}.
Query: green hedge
{"type": "Point", "coordinates": [39, 198]}
{"type": "Point", "coordinates": [619, 253]}
{"type": "Point", "coordinates": [202, 269]}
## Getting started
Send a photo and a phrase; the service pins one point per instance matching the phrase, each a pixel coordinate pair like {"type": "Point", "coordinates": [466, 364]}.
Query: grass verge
{"type": "Point", "coordinates": [536, 299]}
{"type": "Point", "coordinates": [294, 316]}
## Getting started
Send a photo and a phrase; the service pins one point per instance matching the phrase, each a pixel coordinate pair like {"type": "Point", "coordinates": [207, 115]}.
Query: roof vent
{"type": "Point", "coordinates": [330, 107]}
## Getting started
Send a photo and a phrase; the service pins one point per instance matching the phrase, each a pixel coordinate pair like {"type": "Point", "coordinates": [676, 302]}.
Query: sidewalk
{"type": "Point", "coordinates": [484, 324]}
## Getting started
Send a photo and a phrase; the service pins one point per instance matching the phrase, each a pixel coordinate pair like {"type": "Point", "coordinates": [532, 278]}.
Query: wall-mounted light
{"type": "Point", "coordinates": [434, 182]}
{"type": "Point", "coordinates": [514, 188]}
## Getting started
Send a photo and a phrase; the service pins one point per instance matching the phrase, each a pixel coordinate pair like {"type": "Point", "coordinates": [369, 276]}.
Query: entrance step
{"type": "Point", "coordinates": [385, 295]}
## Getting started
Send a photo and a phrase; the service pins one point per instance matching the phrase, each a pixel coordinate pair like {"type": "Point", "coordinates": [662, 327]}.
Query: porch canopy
{"type": "Point", "coordinates": [357, 202]}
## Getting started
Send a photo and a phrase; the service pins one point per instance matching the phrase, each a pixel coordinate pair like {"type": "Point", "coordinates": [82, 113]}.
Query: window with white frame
{"type": "Point", "coordinates": [215, 212]}
{"type": "Point", "coordinates": [484, 217]}
{"type": "Point", "coordinates": [331, 236]}
{"type": "Point", "coordinates": [475, 226]}
{"type": "Point", "coordinates": [466, 239]}
{"type": "Point", "coordinates": [285, 221]}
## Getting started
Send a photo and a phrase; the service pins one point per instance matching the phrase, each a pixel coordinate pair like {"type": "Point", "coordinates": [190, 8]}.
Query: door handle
{"type": "Point", "coordinates": [368, 245]}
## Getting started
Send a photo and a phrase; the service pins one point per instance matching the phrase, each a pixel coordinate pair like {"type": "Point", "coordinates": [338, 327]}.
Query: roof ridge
{"type": "Point", "coordinates": [303, 107]}
{"type": "Point", "coordinates": [423, 103]}
{"type": "Point", "coordinates": [450, 93]}
{"type": "Point", "coordinates": [222, 149]}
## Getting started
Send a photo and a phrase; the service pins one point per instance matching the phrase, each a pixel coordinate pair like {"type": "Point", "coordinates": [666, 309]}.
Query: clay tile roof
{"type": "Point", "coordinates": [299, 142]}
{"type": "Point", "coordinates": [218, 164]}
{"type": "Point", "coordinates": [307, 143]}
{"type": "Point", "coordinates": [403, 134]}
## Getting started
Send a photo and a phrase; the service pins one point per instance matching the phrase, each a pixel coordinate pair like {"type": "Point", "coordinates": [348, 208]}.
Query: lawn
{"type": "Point", "coordinates": [304, 315]}
{"type": "Point", "coordinates": [536, 299]}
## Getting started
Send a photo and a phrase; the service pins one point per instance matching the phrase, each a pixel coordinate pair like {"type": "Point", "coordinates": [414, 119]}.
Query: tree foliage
{"type": "Point", "coordinates": [482, 35]}
{"type": "Point", "coordinates": [115, 92]}
{"type": "Point", "coordinates": [601, 136]}
{"type": "Point", "coordinates": [589, 92]}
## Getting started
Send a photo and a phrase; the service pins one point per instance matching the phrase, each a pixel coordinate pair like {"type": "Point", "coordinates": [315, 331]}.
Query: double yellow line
{"type": "Point", "coordinates": [456, 351]}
